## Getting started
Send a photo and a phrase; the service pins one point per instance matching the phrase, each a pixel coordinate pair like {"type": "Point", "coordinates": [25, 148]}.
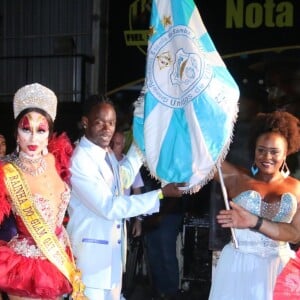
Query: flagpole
{"type": "Point", "coordinates": [225, 197]}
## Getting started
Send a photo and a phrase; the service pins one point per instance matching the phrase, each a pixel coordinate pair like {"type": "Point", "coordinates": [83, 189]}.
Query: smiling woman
{"type": "Point", "coordinates": [39, 170]}
{"type": "Point", "coordinates": [264, 212]}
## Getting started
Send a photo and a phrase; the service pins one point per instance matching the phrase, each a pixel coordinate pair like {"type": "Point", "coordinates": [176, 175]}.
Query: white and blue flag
{"type": "Point", "coordinates": [184, 118]}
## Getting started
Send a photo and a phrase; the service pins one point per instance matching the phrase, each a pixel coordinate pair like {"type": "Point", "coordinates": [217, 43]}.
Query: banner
{"type": "Point", "coordinates": [184, 118]}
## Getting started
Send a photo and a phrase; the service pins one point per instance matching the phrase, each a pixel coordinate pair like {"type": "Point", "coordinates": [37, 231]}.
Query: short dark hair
{"type": "Point", "coordinates": [92, 101]}
{"type": "Point", "coordinates": [281, 122]}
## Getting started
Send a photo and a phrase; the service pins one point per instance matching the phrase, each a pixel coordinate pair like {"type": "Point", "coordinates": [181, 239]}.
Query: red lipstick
{"type": "Point", "coordinates": [32, 147]}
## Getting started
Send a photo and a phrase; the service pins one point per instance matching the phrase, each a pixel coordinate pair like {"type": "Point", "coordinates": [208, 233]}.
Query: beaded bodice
{"type": "Point", "coordinates": [23, 243]}
{"type": "Point", "coordinates": [44, 207]}
{"type": "Point", "coordinates": [282, 211]}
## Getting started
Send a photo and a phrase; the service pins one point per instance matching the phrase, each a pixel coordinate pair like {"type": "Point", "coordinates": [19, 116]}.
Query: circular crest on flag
{"type": "Point", "coordinates": [177, 70]}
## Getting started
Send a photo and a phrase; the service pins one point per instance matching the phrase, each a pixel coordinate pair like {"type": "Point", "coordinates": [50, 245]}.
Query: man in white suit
{"type": "Point", "coordinates": [98, 206]}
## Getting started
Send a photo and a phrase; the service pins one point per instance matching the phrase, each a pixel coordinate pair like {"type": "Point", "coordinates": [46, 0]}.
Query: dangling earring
{"type": "Point", "coordinates": [284, 170]}
{"type": "Point", "coordinates": [254, 169]}
{"type": "Point", "coordinates": [18, 148]}
{"type": "Point", "coordinates": [45, 151]}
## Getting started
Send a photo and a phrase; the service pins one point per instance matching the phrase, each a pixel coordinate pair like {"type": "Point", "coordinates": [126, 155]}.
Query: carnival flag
{"type": "Point", "coordinates": [184, 117]}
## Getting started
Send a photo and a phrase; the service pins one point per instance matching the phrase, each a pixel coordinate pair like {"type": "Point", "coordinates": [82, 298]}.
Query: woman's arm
{"type": "Point", "coordinates": [238, 217]}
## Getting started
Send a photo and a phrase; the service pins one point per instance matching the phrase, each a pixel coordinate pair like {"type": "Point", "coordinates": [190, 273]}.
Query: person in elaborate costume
{"type": "Point", "coordinates": [264, 213]}
{"type": "Point", "coordinates": [34, 185]}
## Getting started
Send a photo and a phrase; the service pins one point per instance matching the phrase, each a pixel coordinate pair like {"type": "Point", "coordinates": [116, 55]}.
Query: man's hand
{"type": "Point", "coordinates": [172, 190]}
{"type": "Point", "coordinates": [136, 228]}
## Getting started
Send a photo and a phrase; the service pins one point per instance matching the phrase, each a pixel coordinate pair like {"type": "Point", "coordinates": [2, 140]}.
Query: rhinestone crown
{"type": "Point", "coordinates": [35, 96]}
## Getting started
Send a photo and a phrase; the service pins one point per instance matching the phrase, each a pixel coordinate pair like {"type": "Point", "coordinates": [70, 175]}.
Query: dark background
{"type": "Point", "coordinates": [54, 42]}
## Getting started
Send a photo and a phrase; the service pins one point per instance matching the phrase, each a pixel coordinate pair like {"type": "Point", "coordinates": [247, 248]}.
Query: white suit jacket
{"type": "Point", "coordinates": [97, 211]}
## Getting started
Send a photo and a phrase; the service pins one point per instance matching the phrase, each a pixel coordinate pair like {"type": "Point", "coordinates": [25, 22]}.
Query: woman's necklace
{"type": "Point", "coordinates": [27, 165]}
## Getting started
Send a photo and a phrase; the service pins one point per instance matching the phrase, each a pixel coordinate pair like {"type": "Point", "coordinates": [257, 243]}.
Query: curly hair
{"type": "Point", "coordinates": [280, 122]}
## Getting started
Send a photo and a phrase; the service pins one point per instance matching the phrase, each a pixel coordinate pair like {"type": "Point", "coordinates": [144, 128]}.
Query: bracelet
{"type": "Point", "coordinates": [258, 224]}
{"type": "Point", "coordinates": [160, 194]}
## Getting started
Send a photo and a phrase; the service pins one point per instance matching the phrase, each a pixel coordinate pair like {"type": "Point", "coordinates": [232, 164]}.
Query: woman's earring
{"type": "Point", "coordinates": [254, 169]}
{"type": "Point", "coordinates": [45, 151]}
{"type": "Point", "coordinates": [284, 170]}
{"type": "Point", "coordinates": [18, 148]}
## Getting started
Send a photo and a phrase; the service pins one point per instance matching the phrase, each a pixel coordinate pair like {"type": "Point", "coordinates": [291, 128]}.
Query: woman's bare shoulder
{"type": "Point", "coordinates": [50, 158]}
{"type": "Point", "coordinates": [293, 186]}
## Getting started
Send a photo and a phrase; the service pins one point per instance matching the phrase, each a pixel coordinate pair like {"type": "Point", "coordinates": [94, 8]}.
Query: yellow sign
{"type": "Point", "coordinates": [257, 15]}
{"type": "Point", "coordinates": [138, 32]}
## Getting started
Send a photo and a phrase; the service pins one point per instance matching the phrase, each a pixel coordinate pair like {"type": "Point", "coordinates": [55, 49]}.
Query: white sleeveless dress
{"type": "Point", "coordinates": [250, 271]}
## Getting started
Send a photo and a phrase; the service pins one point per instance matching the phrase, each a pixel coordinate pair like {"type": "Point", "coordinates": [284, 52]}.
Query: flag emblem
{"type": "Point", "coordinates": [184, 68]}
